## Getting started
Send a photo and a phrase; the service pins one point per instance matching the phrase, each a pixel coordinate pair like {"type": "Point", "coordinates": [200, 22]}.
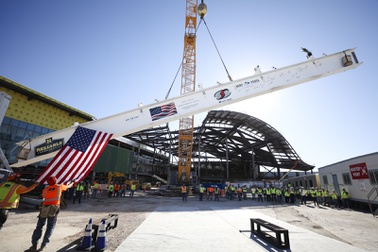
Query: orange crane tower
{"type": "Point", "coordinates": [188, 81]}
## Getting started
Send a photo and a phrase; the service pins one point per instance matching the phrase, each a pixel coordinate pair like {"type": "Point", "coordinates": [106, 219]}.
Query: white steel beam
{"type": "Point", "coordinates": [203, 100]}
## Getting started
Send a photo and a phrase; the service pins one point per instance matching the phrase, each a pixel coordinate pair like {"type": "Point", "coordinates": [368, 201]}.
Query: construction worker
{"type": "Point", "coordinates": [51, 195]}
{"type": "Point", "coordinates": [335, 198]}
{"type": "Point", "coordinates": [184, 192]}
{"type": "Point", "coordinates": [79, 192]}
{"type": "Point", "coordinates": [345, 198]}
{"type": "Point", "coordinates": [110, 190]}
{"type": "Point", "coordinates": [133, 188]}
{"type": "Point", "coordinates": [117, 187]}
{"type": "Point", "coordinates": [210, 192]}
{"type": "Point", "coordinates": [216, 193]}
{"type": "Point", "coordinates": [95, 188]}
{"type": "Point", "coordinates": [10, 192]}
{"type": "Point", "coordinates": [245, 190]}
{"type": "Point", "coordinates": [201, 191]}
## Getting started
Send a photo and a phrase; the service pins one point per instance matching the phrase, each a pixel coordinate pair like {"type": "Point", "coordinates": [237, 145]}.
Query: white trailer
{"type": "Point", "coordinates": [358, 175]}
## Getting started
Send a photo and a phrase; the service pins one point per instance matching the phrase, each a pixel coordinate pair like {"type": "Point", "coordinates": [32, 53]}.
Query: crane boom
{"type": "Point", "coordinates": [196, 102]}
{"type": "Point", "coordinates": [188, 84]}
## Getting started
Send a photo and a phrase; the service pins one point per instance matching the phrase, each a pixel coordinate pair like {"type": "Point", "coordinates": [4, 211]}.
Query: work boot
{"type": "Point", "coordinates": [42, 248]}
{"type": "Point", "coordinates": [33, 248]}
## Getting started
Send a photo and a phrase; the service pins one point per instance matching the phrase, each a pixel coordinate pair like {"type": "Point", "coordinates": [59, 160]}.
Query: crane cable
{"type": "Point", "coordinates": [225, 68]}
{"type": "Point", "coordinates": [179, 68]}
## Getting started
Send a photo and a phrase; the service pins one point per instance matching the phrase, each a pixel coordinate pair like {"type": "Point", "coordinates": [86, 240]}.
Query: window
{"type": "Point", "coordinates": [373, 177]}
{"type": "Point", "coordinates": [325, 180]}
{"type": "Point", "coordinates": [346, 179]}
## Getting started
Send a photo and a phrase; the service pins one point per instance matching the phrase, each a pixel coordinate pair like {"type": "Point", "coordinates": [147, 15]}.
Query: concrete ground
{"type": "Point", "coordinates": [154, 223]}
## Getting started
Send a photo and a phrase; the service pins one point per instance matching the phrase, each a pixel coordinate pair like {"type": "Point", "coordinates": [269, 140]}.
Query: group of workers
{"type": "Point", "coordinates": [286, 194]}
{"type": "Point", "coordinates": [119, 190]}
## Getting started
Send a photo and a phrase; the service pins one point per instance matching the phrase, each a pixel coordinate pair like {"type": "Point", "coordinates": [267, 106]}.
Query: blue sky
{"type": "Point", "coordinates": [104, 57]}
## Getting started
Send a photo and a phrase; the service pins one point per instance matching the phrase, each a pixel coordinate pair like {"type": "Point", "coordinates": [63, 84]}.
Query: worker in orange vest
{"type": "Point", "coordinates": [184, 193]}
{"type": "Point", "coordinates": [51, 195]}
{"type": "Point", "coordinates": [10, 192]}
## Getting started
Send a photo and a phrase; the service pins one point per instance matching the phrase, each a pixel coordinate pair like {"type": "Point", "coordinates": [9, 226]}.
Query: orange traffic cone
{"type": "Point", "coordinates": [101, 237]}
{"type": "Point", "coordinates": [87, 242]}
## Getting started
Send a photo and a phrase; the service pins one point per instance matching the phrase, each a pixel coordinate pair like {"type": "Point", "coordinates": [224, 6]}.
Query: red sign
{"type": "Point", "coordinates": [359, 171]}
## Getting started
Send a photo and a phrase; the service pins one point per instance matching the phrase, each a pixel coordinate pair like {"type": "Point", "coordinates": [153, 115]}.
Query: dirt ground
{"type": "Point", "coordinates": [360, 229]}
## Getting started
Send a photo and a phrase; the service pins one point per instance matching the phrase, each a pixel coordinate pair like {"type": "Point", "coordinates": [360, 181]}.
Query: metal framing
{"type": "Point", "coordinates": [231, 140]}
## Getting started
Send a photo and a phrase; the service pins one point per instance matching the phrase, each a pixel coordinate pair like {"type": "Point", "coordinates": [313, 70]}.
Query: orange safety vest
{"type": "Point", "coordinates": [183, 189]}
{"type": "Point", "coordinates": [8, 195]}
{"type": "Point", "coordinates": [51, 194]}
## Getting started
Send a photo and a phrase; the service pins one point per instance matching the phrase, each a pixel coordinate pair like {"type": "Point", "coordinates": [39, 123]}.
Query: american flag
{"type": "Point", "coordinates": [163, 111]}
{"type": "Point", "coordinates": [77, 157]}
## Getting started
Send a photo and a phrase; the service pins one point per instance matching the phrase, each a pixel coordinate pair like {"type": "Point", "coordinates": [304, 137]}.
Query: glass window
{"type": "Point", "coordinates": [23, 125]}
{"type": "Point", "coordinates": [15, 123]}
{"type": "Point", "coordinates": [30, 127]}
{"type": "Point", "coordinates": [346, 179]}
{"type": "Point", "coordinates": [325, 180]}
{"type": "Point", "coordinates": [373, 177]}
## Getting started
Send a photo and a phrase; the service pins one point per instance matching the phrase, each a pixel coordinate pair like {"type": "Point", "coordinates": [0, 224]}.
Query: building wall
{"type": "Point", "coordinates": [38, 113]}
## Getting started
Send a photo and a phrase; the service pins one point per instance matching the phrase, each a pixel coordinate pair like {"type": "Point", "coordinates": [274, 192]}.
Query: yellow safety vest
{"type": "Point", "coordinates": [8, 195]}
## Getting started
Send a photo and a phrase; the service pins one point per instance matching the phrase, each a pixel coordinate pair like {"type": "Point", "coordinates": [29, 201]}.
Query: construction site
{"type": "Point", "coordinates": [138, 150]}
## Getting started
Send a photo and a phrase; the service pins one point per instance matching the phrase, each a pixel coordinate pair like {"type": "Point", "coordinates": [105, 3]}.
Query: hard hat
{"type": "Point", "coordinates": [52, 180]}
{"type": "Point", "coordinates": [11, 176]}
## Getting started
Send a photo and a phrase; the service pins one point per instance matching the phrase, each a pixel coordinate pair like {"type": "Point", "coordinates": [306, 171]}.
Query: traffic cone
{"type": "Point", "coordinates": [87, 243]}
{"type": "Point", "coordinates": [101, 237]}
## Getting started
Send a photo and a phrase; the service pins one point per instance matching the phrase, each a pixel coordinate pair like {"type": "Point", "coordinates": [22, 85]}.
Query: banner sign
{"type": "Point", "coordinates": [359, 171]}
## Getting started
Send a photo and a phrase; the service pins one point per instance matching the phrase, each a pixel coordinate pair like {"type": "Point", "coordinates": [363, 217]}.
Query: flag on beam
{"type": "Point", "coordinates": [163, 111]}
{"type": "Point", "coordinates": [77, 157]}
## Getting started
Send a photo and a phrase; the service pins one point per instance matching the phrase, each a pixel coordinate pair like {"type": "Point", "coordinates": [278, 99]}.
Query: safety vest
{"type": "Point", "coordinates": [202, 189]}
{"type": "Point", "coordinates": [183, 189]}
{"type": "Point", "coordinates": [216, 190]}
{"type": "Point", "coordinates": [334, 196]}
{"type": "Point", "coordinates": [51, 194]}
{"type": "Point", "coordinates": [278, 192]}
{"type": "Point", "coordinates": [111, 188]}
{"type": "Point", "coordinates": [79, 187]}
{"type": "Point", "coordinates": [8, 195]}
{"type": "Point", "coordinates": [133, 187]}
{"type": "Point", "coordinates": [96, 185]}
{"type": "Point", "coordinates": [344, 195]}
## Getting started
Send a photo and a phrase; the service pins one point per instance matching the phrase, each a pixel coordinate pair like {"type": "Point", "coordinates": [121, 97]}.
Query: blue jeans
{"type": "Point", "coordinates": [51, 222]}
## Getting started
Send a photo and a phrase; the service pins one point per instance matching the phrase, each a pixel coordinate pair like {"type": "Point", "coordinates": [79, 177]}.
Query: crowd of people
{"type": "Point", "coordinates": [279, 195]}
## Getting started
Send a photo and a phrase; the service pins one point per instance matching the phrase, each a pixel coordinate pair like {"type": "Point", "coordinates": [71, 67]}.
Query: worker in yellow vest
{"type": "Point", "coordinates": [345, 198]}
{"type": "Point", "coordinates": [132, 190]}
{"type": "Point", "coordinates": [201, 192]}
{"type": "Point", "coordinates": [10, 192]}
{"type": "Point", "coordinates": [78, 192]}
{"type": "Point", "coordinates": [95, 188]}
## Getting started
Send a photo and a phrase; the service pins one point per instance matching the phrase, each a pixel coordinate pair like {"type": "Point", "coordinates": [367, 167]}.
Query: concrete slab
{"type": "Point", "coordinates": [217, 229]}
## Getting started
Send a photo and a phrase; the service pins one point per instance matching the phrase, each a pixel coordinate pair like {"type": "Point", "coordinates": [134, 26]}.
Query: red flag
{"type": "Point", "coordinates": [77, 157]}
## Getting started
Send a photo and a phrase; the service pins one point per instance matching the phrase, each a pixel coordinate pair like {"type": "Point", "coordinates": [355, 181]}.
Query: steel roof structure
{"type": "Point", "coordinates": [230, 134]}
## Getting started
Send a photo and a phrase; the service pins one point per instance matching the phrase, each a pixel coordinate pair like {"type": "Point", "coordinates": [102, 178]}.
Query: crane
{"type": "Point", "coordinates": [188, 81]}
